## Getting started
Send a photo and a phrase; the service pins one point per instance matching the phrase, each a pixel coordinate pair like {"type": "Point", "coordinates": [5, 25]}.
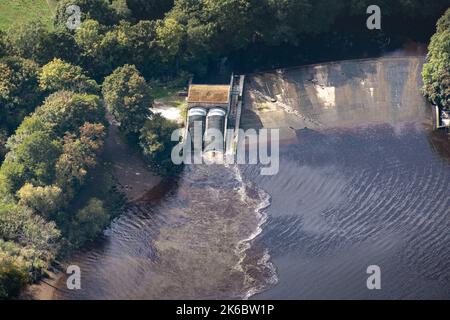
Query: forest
{"type": "Point", "coordinates": [57, 84]}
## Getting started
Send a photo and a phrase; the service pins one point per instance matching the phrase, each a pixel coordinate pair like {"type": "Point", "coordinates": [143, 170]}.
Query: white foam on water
{"type": "Point", "coordinates": [244, 245]}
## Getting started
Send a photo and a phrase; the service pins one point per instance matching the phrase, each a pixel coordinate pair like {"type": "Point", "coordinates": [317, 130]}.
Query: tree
{"type": "Point", "coordinates": [30, 40]}
{"type": "Point", "coordinates": [66, 111]}
{"type": "Point", "coordinates": [88, 37]}
{"type": "Point", "coordinates": [170, 35]}
{"type": "Point", "coordinates": [33, 160]}
{"type": "Point", "coordinates": [19, 90]}
{"type": "Point", "coordinates": [99, 48]}
{"type": "Point", "coordinates": [45, 201]}
{"type": "Point", "coordinates": [436, 72]}
{"type": "Point", "coordinates": [137, 44]}
{"type": "Point", "coordinates": [78, 157]}
{"type": "Point", "coordinates": [3, 44]}
{"type": "Point", "coordinates": [98, 10]}
{"type": "Point", "coordinates": [59, 75]}
{"type": "Point", "coordinates": [149, 9]}
{"type": "Point", "coordinates": [63, 46]}
{"type": "Point", "coordinates": [155, 142]}
{"type": "Point", "coordinates": [90, 221]}
{"type": "Point", "coordinates": [127, 97]}
{"type": "Point", "coordinates": [121, 9]}
{"type": "Point", "coordinates": [20, 225]}
{"type": "Point", "coordinates": [13, 276]}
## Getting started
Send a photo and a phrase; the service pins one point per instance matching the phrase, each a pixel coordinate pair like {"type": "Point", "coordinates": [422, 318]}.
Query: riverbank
{"type": "Point", "coordinates": [134, 179]}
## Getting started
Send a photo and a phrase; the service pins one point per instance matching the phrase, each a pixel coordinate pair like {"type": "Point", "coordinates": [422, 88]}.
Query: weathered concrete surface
{"type": "Point", "coordinates": [336, 94]}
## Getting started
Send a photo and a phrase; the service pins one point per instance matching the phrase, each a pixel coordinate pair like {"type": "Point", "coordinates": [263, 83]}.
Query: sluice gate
{"type": "Point", "coordinates": [213, 113]}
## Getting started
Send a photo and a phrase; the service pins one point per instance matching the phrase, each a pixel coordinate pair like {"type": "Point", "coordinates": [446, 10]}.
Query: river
{"type": "Point", "coordinates": [367, 183]}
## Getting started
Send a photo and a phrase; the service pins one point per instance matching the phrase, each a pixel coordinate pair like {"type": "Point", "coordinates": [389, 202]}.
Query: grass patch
{"type": "Point", "coordinates": [20, 11]}
{"type": "Point", "coordinates": [161, 92]}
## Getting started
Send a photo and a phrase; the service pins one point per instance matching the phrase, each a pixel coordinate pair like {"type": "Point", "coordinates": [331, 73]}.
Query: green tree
{"type": "Point", "coordinates": [436, 72]}
{"type": "Point", "coordinates": [170, 35]}
{"type": "Point", "coordinates": [20, 225]}
{"type": "Point", "coordinates": [99, 48]}
{"type": "Point", "coordinates": [156, 144]}
{"type": "Point", "coordinates": [89, 36]}
{"type": "Point", "coordinates": [30, 40]}
{"type": "Point", "coordinates": [45, 201]}
{"type": "Point", "coordinates": [3, 44]}
{"type": "Point", "coordinates": [121, 9]}
{"type": "Point", "coordinates": [59, 75]}
{"type": "Point", "coordinates": [3, 139]}
{"type": "Point", "coordinates": [63, 46]}
{"type": "Point", "coordinates": [19, 90]}
{"type": "Point", "coordinates": [98, 10]}
{"type": "Point", "coordinates": [127, 97]}
{"type": "Point", "coordinates": [90, 221]}
{"type": "Point", "coordinates": [33, 160]}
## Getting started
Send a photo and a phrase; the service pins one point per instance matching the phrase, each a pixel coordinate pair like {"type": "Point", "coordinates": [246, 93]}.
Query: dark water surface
{"type": "Point", "coordinates": [347, 199]}
{"type": "Point", "coordinates": [369, 184]}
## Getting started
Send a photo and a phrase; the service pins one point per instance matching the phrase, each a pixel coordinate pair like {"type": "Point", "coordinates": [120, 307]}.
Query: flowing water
{"type": "Point", "coordinates": [191, 243]}
{"type": "Point", "coordinates": [369, 184]}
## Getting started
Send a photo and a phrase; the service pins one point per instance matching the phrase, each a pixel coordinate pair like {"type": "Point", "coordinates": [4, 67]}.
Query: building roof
{"type": "Point", "coordinates": [214, 94]}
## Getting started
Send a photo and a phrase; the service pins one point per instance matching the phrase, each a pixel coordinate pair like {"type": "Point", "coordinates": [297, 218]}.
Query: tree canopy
{"type": "Point", "coordinates": [436, 72]}
{"type": "Point", "coordinates": [127, 97]}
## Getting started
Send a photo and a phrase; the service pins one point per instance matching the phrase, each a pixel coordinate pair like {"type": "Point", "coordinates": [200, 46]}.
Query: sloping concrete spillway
{"type": "Point", "coordinates": [345, 93]}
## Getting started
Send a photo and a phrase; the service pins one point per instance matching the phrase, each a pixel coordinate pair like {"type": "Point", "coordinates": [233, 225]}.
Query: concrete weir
{"type": "Point", "coordinates": [336, 94]}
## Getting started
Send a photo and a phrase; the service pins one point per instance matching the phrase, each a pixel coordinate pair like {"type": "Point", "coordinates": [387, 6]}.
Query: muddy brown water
{"type": "Point", "coordinates": [367, 184]}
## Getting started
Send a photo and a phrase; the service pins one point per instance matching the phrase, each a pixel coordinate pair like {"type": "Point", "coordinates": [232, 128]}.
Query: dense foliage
{"type": "Point", "coordinates": [127, 97]}
{"type": "Point", "coordinates": [48, 152]}
{"type": "Point", "coordinates": [49, 158]}
{"type": "Point", "coordinates": [436, 72]}
{"type": "Point", "coordinates": [59, 75]}
{"type": "Point", "coordinates": [19, 90]}
{"type": "Point", "coordinates": [155, 141]}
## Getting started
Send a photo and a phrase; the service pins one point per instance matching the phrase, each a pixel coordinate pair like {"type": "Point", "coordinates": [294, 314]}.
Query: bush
{"type": "Point", "coordinates": [30, 40]}
{"type": "Point", "coordinates": [13, 277]}
{"type": "Point", "coordinates": [33, 160]}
